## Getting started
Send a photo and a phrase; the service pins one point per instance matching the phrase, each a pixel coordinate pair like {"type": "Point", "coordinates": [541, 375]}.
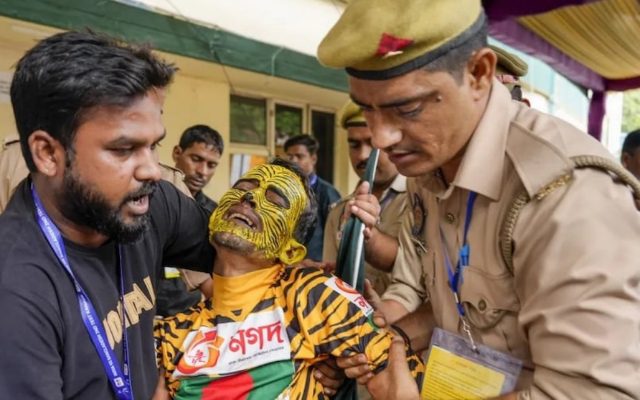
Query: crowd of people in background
{"type": "Point", "coordinates": [496, 237]}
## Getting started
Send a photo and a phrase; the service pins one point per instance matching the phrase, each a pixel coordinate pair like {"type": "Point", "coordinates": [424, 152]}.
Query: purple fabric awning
{"type": "Point", "coordinates": [498, 10]}
{"type": "Point", "coordinates": [509, 31]}
{"type": "Point", "coordinates": [504, 26]}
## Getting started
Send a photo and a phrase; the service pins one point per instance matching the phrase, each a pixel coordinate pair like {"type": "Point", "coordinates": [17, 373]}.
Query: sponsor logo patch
{"type": "Point", "coordinates": [350, 293]}
{"type": "Point", "coordinates": [236, 346]}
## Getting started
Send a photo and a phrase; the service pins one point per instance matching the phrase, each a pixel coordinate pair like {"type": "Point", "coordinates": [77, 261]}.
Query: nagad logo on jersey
{"type": "Point", "coordinates": [236, 346]}
{"type": "Point", "coordinates": [350, 293]}
{"type": "Point", "coordinates": [203, 351]}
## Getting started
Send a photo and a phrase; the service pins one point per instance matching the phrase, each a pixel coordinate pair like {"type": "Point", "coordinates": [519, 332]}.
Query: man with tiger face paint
{"type": "Point", "coordinates": [267, 323]}
{"type": "Point", "coordinates": [260, 214]}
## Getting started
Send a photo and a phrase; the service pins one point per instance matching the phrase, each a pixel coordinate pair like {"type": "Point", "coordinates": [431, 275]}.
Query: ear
{"type": "Point", "coordinates": [625, 158]}
{"type": "Point", "coordinates": [292, 252]}
{"type": "Point", "coordinates": [314, 158]}
{"type": "Point", "coordinates": [481, 68]}
{"type": "Point", "coordinates": [47, 153]}
{"type": "Point", "coordinates": [177, 151]}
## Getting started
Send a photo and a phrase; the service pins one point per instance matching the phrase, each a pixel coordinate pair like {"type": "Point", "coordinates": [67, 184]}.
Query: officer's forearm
{"type": "Point", "coordinates": [380, 250]}
{"type": "Point", "coordinates": [418, 326]}
{"type": "Point", "coordinates": [392, 310]}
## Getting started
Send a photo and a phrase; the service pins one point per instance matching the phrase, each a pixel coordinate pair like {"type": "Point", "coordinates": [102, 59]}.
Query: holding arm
{"type": "Point", "coordinates": [380, 248]}
{"type": "Point", "coordinates": [347, 326]}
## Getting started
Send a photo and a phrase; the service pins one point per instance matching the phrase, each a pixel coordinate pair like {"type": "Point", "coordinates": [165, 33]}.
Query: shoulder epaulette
{"type": "Point", "coordinates": [523, 198]}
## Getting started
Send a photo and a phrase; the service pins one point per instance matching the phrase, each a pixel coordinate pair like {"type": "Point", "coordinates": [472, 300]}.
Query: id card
{"type": "Point", "coordinates": [171, 273]}
{"type": "Point", "coordinates": [455, 371]}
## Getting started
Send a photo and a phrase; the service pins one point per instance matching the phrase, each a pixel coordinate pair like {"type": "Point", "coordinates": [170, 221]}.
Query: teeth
{"type": "Point", "coordinates": [242, 218]}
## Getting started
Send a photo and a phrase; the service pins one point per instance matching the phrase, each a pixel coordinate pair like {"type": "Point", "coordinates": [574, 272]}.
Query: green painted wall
{"type": "Point", "coordinates": [176, 36]}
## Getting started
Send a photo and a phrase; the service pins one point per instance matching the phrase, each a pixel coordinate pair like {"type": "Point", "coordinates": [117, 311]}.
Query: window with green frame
{"type": "Point", "coordinates": [248, 120]}
{"type": "Point", "coordinates": [288, 123]}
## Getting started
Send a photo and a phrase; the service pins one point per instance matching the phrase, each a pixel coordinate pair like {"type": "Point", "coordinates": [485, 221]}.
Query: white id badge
{"type": "Point", "coordinates": [455, 371]}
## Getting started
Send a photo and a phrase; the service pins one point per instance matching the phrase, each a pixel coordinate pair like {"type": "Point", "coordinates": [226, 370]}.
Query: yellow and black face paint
{"type": "Point", "coordinates": [279, 198]}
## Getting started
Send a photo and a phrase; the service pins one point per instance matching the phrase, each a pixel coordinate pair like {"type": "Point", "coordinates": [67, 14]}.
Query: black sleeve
{"type": "Point", "coordinates": [182, 226]}
{"type": "Point", "coordinates": [30, 358]}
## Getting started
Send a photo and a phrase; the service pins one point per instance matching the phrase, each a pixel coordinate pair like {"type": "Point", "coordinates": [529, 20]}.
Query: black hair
{"type": "Point", "coordinates": [307, 221]}
{"type": "Point", "coordinates": [201, 134]}
{"type": "Point", "coordinates": [631, 142]}
{"type": "Point", "coordinates": [307, 141]}
{"type": "Point", "coordinates": [455, 60]}
{"type": "Point", "coordinates": [66, 76]}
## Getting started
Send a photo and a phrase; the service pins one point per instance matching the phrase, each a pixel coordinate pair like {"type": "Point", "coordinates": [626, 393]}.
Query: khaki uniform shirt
{"type": "Point", "coordinates": [571, 308]}
{"type": "Point", "coordinates": [393, 204]}
{"type": "Point", "coordinates": [12, 169]}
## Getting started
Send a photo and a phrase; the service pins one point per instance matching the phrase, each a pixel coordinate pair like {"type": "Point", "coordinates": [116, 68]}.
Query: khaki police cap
{"type": "Point", "coordinates": [382, 39]}
{"type": "Point", "coordinates": [509, 63]}
{"type": "Point", "coordinates": [351, 115]}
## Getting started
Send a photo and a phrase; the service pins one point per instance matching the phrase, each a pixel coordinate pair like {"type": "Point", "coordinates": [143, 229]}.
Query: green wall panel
{"type": "Point", "coordinates": [176, 36]}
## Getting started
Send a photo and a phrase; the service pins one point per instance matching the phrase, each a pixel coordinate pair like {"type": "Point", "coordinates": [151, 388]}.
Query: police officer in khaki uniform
{"type": "Point", "coordinates": [509, 69]}
{"type": "Point", "coordinates": [405, 295]}
{"type": "Point", "coordinates": [558, 288]}
{"type": "Point", "coordinates": [13, 170]}
{"type": "Point", "coordinates": [389, 189]}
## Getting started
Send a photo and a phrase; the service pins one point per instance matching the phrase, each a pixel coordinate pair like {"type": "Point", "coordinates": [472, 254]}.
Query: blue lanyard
{"type": "Point", "coordinates": [455, 276]}
{"type": "Point", "coordinates": [118, 377]}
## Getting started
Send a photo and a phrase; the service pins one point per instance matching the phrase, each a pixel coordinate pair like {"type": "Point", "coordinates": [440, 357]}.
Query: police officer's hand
{"type": "Point", "coordinates": [373, 298]}
{"type": "Point", "coordinates": [330, 376]}
{"type": "Point", "coordinates": [395, 382]}
{"type": "Point", "coordinates": [366, 207]}
{"type": "Point", "coordinates": [371, 295]}
{"type": "Point", "coordinates": [356, 367]}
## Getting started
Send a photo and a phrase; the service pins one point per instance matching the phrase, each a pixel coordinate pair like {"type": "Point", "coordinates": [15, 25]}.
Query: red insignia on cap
{"type": "Point", "coordinates": [390, 45]}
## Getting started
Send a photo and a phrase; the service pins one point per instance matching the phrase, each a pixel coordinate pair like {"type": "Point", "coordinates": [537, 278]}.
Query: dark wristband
{"type": "Point", "coordinates": [402, 334]}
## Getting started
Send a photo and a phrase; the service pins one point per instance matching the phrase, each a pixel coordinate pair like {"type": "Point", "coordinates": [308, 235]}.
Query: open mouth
{"type": "Point", "coordinates": [244, 217]}
{"type": "Point", "coordinates": [138, 202]}
{"type": "Point", "coordinates": [139, 205]}
{"type": "Point", "coordinates": [241, 220]}
{"type": "Point", "coordinates": [399, 156]}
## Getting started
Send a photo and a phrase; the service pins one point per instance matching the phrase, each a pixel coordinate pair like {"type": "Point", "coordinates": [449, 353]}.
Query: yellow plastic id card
{"type": "Point", "coordinates": [455, 371]}
{"type": "Point", "coordinates": [171, 273]}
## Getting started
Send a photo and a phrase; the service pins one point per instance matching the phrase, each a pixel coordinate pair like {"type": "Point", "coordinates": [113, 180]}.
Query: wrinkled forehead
{"type": "Point", "coordinates": [282, 178]}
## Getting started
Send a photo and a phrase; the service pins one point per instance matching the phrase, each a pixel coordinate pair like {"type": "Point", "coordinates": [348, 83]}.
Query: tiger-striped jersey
{"type": "Point", "coordinates": [259, 335]}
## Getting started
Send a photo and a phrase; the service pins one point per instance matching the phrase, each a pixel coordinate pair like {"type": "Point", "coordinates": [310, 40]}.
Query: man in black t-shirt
{"type": "Point", "coordinates": [93, 214]}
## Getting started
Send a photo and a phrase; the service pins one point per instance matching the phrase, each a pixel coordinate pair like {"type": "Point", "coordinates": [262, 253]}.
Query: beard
{"type": "Point", "coordinates": [233, 242]}
{"type": "Point", "coordinates": [84, 206]}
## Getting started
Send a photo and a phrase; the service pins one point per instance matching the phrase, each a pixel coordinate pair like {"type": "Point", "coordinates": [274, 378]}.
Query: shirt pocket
{"type": "Point", "coordinates": [487, 298]}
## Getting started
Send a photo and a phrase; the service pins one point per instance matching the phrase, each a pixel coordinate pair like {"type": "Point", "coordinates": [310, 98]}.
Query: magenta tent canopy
{"type": "Point", "coordinates": [593, 43]}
